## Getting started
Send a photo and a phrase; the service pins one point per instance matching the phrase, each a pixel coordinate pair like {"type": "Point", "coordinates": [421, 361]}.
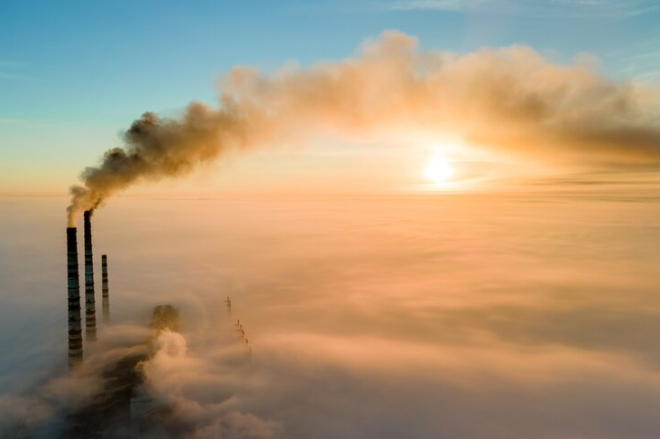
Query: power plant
{"type": "Point", "coordinates": [108, 391]}
{"type": "Point", "coordinates": [105, 290]}
{"type": "Point", "coordinates": [110, 413]}
{"type": "Point", "coordinates": [74, 314]}
{"type": "Point", "coordinates": [90, 303]}
{"type": "Point", "coordinates": [74, 320]}
{"type": "Point", "coordinates": [123, 407]}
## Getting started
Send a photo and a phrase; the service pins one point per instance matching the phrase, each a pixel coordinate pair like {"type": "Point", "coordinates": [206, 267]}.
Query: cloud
{"type": "Point", "coordinates": [39, 409]}
{"type": "Point", "coordinates": [535, 8]}
{"type": "Point", "coordinates": [206, 388]}
{"type": "Point", "coordinates": [402, 316]}
{"type": "Point", "coordinates": [439, 5]}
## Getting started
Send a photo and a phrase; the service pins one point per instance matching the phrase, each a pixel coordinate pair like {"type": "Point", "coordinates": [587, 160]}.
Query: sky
{"type": "Point", "coordinates": [434, 218]}
{"type": "Point", "coordinates": [74, 75]}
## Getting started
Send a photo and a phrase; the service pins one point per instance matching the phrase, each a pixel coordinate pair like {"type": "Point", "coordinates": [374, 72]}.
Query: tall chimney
{"type": "Point", "coordinates": [106, 291]}
{"type": "Point", "coordinates": [90, 305]}
{"type": "Point", "coordinates": [75, 329]}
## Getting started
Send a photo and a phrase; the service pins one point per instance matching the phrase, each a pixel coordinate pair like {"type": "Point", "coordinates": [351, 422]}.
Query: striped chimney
{"type": "Point", "coordinates": [106, 291]}
{"type": "Point", "coordinates": [75, 328]}
{"type": "Point", "coordinates": [90, 304]}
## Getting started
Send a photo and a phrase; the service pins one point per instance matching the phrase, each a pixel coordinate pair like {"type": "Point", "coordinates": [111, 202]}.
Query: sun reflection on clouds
{"type": "Point", "coordinates": [443, 168]}
{"type": "Point", "coordinates": [439, 170]}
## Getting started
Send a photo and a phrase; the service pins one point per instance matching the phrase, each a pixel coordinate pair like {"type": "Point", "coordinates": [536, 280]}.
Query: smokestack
{"type": "Point", "coordinates": [90, 304]}
{"type": "Point", "coordinates": [75, 329]}
{"type": "Point", "coordinates": [106, 291]}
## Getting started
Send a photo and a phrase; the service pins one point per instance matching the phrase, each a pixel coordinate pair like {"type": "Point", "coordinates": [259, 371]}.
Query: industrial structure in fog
{"type": "Point", "coordinates": [90, 303]}
{"type": "Point", "coordinates": [74, 309]}
{"type": "Point", "coordinates": [75, 329]}
{"type": "Point", "coordinates": [122, 408]}
{"type": "Point", "coordinates": [105, 289]}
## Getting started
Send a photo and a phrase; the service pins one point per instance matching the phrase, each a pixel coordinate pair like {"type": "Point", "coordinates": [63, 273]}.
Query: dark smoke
{"type": "Point", "coordinates": [156, 148]}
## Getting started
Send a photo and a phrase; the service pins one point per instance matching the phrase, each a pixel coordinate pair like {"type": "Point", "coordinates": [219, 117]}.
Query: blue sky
{"type": "Point", "coordinates": [74, 73]}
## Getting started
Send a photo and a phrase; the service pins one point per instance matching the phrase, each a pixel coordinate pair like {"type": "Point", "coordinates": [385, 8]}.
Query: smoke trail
{"type": "Point", "coordinates": [156, 148]}
{"type": "Point", "coordinates": [510, 99]}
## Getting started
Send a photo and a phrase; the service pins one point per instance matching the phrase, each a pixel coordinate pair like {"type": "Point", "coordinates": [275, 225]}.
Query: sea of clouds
{"type": "Point", "coordinates": [421, 316]}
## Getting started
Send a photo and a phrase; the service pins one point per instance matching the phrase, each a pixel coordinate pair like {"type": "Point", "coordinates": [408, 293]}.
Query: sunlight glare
{"type": "Point", "coordinates": [438, 170]}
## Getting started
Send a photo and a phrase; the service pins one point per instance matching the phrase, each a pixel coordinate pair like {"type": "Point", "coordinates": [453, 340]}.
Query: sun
{"type": "Point", "coordinates": [438, 169]}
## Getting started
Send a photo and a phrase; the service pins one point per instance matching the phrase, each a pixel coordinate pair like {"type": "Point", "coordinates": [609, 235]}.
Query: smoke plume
{"type": "Point", "coordinates": [509, 99]}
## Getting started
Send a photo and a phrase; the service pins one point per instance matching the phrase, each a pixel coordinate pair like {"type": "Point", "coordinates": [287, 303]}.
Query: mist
{"type": "Point", "coordinates": [393, 316]}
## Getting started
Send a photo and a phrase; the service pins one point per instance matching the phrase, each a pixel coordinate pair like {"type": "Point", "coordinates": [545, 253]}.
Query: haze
{"type": "Point", "coordinates": [434, 219]}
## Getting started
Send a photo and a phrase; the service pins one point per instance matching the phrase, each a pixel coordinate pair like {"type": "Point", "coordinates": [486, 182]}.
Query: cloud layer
{"type": "Point", "coordinates": [424, 316]}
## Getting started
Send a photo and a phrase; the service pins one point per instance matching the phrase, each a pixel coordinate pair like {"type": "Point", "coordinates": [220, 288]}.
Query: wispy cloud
{"type": "Point", "coordinates": [12, 121]}
{"type": "Point", "coordinates": [640, 62]}
{"type": "Point", "coordinates": [7, 63]}
{"type": "Point", "coordinates": [11, 76]}
{"type": "Point", "coordinates": [12, 71]}
{"type": "Point", "coordinates": [441, 5]}
{"type": "Point", "coordinates": [540, 8]}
